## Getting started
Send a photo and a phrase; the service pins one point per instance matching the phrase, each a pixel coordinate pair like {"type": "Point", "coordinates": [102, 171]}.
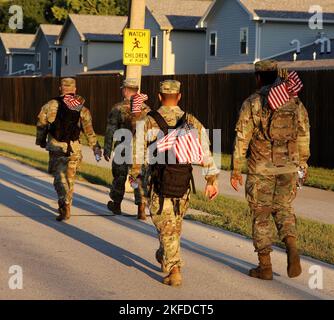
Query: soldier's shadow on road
{"type": "Point", "coordinates": [96, 208]}
{"type": "Point", "coordinates": [43, 214]}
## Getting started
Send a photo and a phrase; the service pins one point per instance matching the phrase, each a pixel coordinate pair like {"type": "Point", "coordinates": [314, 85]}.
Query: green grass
{"type": "Point", "coordinates": [315, 239]}
{"type": "Point", "coordinates": [318, 177]}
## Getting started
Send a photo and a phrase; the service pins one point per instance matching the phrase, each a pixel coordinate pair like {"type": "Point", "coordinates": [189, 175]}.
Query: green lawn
{"type": "Point", "coordinates": [315, 239]}
{"type": "Point", "coordinates": [318, 177]}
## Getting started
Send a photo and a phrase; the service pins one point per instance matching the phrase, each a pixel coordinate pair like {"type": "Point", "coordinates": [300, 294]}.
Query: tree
{"type": "Point", "coordinates": [62, 8]}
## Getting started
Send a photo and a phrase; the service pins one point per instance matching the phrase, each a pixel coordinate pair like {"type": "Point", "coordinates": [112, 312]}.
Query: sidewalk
{"type": "Point", "coordinates": [311, 203]}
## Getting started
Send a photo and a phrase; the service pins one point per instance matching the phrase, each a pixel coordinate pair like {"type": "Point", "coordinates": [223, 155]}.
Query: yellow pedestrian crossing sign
{"type": "Point", "coordinates": [136, 47]}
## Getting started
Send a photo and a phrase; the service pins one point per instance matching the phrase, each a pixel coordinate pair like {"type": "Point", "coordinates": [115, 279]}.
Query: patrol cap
{"type": "Point", "coordinates": [170, 87]}
{"type": "Point", "coordinates": [266, 65]}
{"type": "Point", "coordinates": [68, 82]}
{"type": "Point", "coordinates": [131, 83]}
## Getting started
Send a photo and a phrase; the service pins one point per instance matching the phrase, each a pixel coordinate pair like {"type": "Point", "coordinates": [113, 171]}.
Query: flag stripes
{"type": "Point", "coordinates": [137, 101]}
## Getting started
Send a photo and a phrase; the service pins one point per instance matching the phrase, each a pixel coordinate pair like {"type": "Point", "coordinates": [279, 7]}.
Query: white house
{"type": "Point", "coordinates": [89, 42]}
{"type": "Point", "coordinates": [177, 45]}
{"type": "Point", "coordinates": [245, 31]}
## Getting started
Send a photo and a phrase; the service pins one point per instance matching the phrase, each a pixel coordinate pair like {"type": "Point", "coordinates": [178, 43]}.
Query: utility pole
{"type": "Point", "coordinates": [136, 21]}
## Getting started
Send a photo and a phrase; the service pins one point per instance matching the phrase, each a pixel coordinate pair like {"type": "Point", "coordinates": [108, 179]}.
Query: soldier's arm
{"type": "Point", "coordinates": [303, 139]}
{"type": "Point", "coordinates": [210, 169]}
{"type": "Point", "coordinates": [87, 127]}
{"type": "Point", "coordinates": [244, 133]}
{"type": "Point", "coordinates": [42, 125]}
{"type": "Point", "coordinates": [112, 126]}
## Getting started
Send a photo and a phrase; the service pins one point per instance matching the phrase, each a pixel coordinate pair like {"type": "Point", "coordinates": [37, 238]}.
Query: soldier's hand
{"type": "Point", "coordinates": [211, 191]}
{"type": "Point", "coordinates": [236, 180]}
{"type": "Point", "coordinates": [106, 157]}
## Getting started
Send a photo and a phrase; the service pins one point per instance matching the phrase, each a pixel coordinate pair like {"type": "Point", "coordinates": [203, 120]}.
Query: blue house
{"type": "Point", "coordinates": [47, 53]}
{"type": "Point", "coordinates": [245, 31]}
{"type": "Point", "coordinates": [16, 54]}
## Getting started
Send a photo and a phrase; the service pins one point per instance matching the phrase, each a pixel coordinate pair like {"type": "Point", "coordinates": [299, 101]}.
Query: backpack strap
{"type": "Point", "coordinates": [159, 119]}
{"type": "Point", "coordinates": [163, 125]}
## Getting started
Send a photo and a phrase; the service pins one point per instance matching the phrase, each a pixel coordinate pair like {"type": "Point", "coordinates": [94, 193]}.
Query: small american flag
{"type": "Point", "coordinates": [167, 142]}
{"type": "Point", "coordinates": [187, 148]}
{"type": "Point", "coordinates": [295, 85]}
{"type": "Point", "coordinates": [72, 102]}
{"type": "Point", "coordinates": [137, 101]}
{"type": "Point", "coordinates": [184, 143]}
{"type": "Point", "coordinates": [278, 96]}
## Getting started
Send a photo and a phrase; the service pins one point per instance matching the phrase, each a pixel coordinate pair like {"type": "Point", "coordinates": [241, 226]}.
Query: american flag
{"type": "Point", "coordinates": [137, 101]}
{"type": "Point", "coordinates": [294, 83]}
{"type": "Point", "coordinates": [185, 145]}
{"type": "Point", "coordinates": [72, 102]}
{"type": "Point", "coordinates": [278, 96]}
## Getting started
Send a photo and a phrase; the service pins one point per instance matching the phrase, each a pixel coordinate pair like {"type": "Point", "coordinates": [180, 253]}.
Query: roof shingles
{"type": "Point", "coordinates": [17, 42]}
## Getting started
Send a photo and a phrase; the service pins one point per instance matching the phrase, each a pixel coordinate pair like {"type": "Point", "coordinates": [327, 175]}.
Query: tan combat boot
{"type": "Point", "coordinates": [264, 270]}
{"type": "Point", "coordinates": [294, 267]}
{"type": "Point", "coordinates": [141, 212]}
{"type": "Point", "coordinates": [115, 207]}
{"type": "Point", "coordinates": [174, 278]}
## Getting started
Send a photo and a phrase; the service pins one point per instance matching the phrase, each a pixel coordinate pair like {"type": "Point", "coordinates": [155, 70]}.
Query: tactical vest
{"type": "Point", "coordinates": [66, 127]}
{"type": "Point", "coordinates": [280, 127]}
{"type": "Point", "coordinates": [170, 180]}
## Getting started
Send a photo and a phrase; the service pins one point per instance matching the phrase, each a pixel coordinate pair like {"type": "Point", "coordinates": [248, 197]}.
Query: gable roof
{"type": "Point", "coordinates": [50, 31]}
{"type": "Point", "coordinates": [177, 14]}
{"type": "Point", "coordinates": [280, 10]}
{"type": "Point", "coordinates": [96, 28]}
{"type": "Point", "coordinates": [17, 42]}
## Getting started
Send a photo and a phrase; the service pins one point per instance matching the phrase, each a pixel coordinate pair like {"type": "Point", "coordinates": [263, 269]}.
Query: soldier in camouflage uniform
{"type": "Point", "coordinates": [121, 117]}
{"type": "Point", "coordinates": [168, 217]}
{"type": "Point", "coordinates": [272, 178]}
{"type": "Point", "coordinates": [65, 157]}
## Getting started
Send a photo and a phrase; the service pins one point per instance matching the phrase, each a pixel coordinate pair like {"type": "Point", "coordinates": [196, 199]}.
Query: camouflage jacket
{"type": "Point", "coordinates": [251, 142]}
{"type": "Point", "coordinates": [150, 134]}
{"type": "Point", "coordinates": [120, 117]}
{"type": "Point", "coordinates": [48, 115]}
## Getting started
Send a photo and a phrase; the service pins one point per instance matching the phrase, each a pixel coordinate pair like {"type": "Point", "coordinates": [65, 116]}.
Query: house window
{"type": "Point", "coordinates": [67, 56]}
{"type": "Point", "coordinates": [213, 44]}
{"type": "Point", "coordinates": [6, 63]}
{"type": "Point", "coordinates": [154, 47]}
{"type": "Point", "coordinates": [38, 61]}
{"type": "Point", "coordinates": [81, 55]}
{"type": "Point", "coordinates": [50, 59]}
{"type": "Point", "coordinates": [244, 41]}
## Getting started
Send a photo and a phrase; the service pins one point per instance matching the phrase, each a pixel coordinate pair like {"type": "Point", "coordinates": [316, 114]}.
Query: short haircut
{"type": "Point", "coordinates": [134, 90]}
{"type": "Point", "coordinates": [169, 96]}
{"type": "Point", "coordinates": [267, 77]}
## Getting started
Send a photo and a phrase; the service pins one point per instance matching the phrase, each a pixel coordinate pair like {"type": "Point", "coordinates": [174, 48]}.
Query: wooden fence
{"type": "Point", "coordinates": [215, 99]}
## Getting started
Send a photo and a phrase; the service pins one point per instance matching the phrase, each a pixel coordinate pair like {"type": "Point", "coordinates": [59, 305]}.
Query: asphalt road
{"type": "Point", "coordinates": [311, 203]}
{"type": "Point", "coordinates": [98, 256]}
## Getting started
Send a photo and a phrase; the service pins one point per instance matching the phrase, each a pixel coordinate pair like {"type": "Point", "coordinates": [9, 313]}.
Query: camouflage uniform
{"type": "Point", "coordinates": [121, 117]}
{"type": "Point", "coordinates": [61, 166]}
{"type": "Point", "coordinates": [270, 189]}
{"type": "Point", "coordinates": [168, 219]}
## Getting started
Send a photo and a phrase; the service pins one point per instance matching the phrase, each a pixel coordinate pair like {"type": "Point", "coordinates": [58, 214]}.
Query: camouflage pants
{"type": "Point", "coordinates": [64, 170]}
{"type": "Point", "coordinates": [168, 221]}
{"type": "Point", "coordinates": [117, 189]}
{"type": "Point", "coordinates": [271, 196]}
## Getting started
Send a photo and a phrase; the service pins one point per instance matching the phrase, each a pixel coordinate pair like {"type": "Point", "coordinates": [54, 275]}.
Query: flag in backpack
{"type": "Point", "coordinates": [295, 85]}
{"type": "Point", "coordinates": [137, 101]}
{"type": "Point", "coordinates": [184, 143]}
{"type": "Point", "coordinates": [72, 102]}
{"type": "Point", "coordinates": [278, 96]}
